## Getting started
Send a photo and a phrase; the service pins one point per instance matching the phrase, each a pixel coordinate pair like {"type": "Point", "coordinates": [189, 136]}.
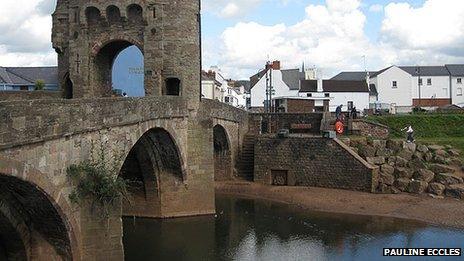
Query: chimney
{"type": "Point", "coordinates": [276, 65]}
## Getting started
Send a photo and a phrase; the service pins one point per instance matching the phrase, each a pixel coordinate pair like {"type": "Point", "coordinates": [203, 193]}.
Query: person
{"type": "Point", "coordinates": [125, 95]}
{"type": "Point", "coordinates": [338, 111]}
{"type": "Point", "coordinates": [354, 113]}
{"type": "Point", "coordinates": [410, 131]}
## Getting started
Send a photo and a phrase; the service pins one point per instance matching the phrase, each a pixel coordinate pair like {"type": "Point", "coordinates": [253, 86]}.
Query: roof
{"type": "Point", "coordinates": [379, 72]}
{"type": "Point", "coordinates": [455, 69]}
{"type": "Point", "coordinates": [28, 75]}
{"type": "Point", "coordinates": [345, 86]}
{"type": "Point", "coordinates": [292, 78]}
{"type": "Point", "coordinates": [255, 78]}
{"type": "Point", "coordinates": [425, 70]}
{"type": "Point", "coordinates": [207, 77]}
{"type": "Point", "coordinates": [351, 76]}
{"type": "Point", "coordinates": [308, 86]}
{"type": "Point", "coordinates": [244, 83]}
{"type": "Point", "coordinates": [373, 89]}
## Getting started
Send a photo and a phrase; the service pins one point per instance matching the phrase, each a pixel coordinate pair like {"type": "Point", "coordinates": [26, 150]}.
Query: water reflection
{"type": "Point", "coordinates": [259, 230]}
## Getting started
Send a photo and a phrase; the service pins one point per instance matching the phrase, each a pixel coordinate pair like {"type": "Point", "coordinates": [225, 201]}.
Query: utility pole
{"type": "Point", "coordinates": [266, 104]}
{"type": "Point", "coordinates": [419, 85]}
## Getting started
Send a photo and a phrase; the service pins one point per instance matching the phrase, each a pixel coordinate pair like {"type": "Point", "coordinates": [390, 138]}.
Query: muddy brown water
{"type": "Point", "coordinates": [251, 229]}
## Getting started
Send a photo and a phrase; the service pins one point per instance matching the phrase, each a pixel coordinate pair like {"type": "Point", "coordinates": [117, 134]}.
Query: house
{"type": "Point", "coordinates": [457, 87]}
{"type": "Point", "coordinates": [210, 87]}
{"type": "Point", "coordinates": [25, 78]}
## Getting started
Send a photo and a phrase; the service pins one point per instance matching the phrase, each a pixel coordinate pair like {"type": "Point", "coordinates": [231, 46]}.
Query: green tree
{"type": "Point", "coordinates": [39, 85]}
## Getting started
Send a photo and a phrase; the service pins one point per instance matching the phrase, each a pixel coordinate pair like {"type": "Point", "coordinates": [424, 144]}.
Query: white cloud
{"type": "Point", "coordinates": [376, 8]}
{"type": "Point", "coordinates": [230, 8]}
{"type": "Point", "coordinates": [25, 33]}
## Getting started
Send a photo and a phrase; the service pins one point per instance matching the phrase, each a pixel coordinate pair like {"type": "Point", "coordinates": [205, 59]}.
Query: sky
{"type": "Point", "coordinates": [239, 36]}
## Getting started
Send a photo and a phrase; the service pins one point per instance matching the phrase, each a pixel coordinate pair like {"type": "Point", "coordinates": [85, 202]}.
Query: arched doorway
{"type": "Point", "coordinates": [30, 222]}
{"type": "Point", "coordinates": [222, 154]}
{"type": "Point", "coordinates": [152, 166]}
{"type": "Point", "coordinates": [119, 67]}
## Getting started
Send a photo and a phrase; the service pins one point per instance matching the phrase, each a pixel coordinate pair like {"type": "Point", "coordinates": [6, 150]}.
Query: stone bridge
{"type": "Point", "coordinates": [175, 152]}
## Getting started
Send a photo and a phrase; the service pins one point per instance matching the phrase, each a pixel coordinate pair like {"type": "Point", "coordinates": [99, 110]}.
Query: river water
{"type": "Point", "coordinates": [247, 229]}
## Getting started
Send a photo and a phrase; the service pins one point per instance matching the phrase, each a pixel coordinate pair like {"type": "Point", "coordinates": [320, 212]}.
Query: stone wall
{"type": "Point", "coordinates": [369, 129]}
{"type": "Point", "coordinates": [306, 161]}
{"type": "Point", "coordinates": [308, 122]}
{"type": "Point", "coordinates": [29, 95]}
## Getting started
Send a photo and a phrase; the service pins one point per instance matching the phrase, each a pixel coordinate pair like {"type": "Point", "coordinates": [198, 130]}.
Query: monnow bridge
{"type": "Point", "coordinates": [171, 140]}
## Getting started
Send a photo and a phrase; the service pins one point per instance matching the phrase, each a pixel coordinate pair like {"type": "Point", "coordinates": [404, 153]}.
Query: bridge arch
{"type": "Point", "coordinates": [222, 154]}
{"type": "Point", "coordinates": [153, 165]}
{"type": "Point", "coordinates": [32, 206]}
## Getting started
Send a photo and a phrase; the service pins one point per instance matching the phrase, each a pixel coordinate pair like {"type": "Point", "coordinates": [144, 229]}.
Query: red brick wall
{"type": "Point", "coordinates": [300, 106]}
{"type": "Point", "coordinates": [431, 102]}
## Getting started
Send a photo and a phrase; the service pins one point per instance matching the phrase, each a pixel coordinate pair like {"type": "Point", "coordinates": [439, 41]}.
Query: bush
{"type": "Point", "coordinates": [39, 85]}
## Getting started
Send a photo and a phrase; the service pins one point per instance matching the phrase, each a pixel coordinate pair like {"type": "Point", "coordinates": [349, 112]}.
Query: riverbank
{"type": "Point", "coordinates": [441, 212]}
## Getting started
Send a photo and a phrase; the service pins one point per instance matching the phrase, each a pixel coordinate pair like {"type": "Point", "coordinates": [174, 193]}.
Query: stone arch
{"type": "Point", "coordinates": [113, 14]}
{"type": "Point", "coordinates": [92, 15]}
{"type": "Point", "coordinates": [105, 55]}
{"type": "Point", "coordinates": [34, 206]}
{"type": "Point", "coordinates": [173, 86]}
{"type": "Point", "coordinates": [135, 13]}
{"type": "Point", "coordinates": [153, 165]}
{"type": "Point", "coordinates": [222, 154]}
{"type": "Point", "coordinates": [68, 87]}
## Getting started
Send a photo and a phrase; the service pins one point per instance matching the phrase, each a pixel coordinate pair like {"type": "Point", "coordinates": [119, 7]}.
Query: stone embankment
{"type": "Point", "coordinates": [413, 168]}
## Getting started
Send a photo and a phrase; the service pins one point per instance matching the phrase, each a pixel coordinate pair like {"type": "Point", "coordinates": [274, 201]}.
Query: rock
{"type": "Point", "coordinates": [394, 145]}
{"type": "Point", "coordinates": [448, 179]}
{"type": "Point", "coordinates": [387, 179]}
{"type": "Point", "coordinates": [378, 144]}
{"type": "Point", "coordinates": [358, 142]}
{"type": "Point", "coordinates": [387, 169]}
{"type": "Point", "coordinates": [385, 189]}
{"type": "Point", "coordinates": [366, 151]}
{"type": "Point", "coordinates": [376, 160]}
{"type": "Point", "coordinates": [391, 160]}
{"type": "Point", "coordinates": [448, 147]}
{"type": "Point", "coordinates": [402, 184]}
{"type": "Point", "coordinates": [382, 152]}
{"type": "Point", "coordinates": [455, 162]}
{"type": "Point", "coordinates": [418, 155]}
{"type": "Point", "coordinates": [424, 175]}
{"type": "Point", "coordinates": [428, 156]}
{"type": "Point", "coordinates": [400, 162]}
{"type": "Point", "coordinates": [436, 188]}
{"type": "Point", "coordinates": [454, 152]}
{"type": "Point", "coordinates": [441, 153]}
{"type": "Point", "coordinates": [416, 164]}
{"type": "Point", "coordinates": [403, 173]}
{"type": "Point", "coordinates": [439, 159]}
{"type": "Point", "coordinates": [347, 141]}
{"type": "Point", "coordinates": [411, 146]}
{"type": "Point", "coordinates": [417, 186]}
{"type": "Point", "coordinates": [455, 191]}
{"type": "Point", "coordinates": [440, 168]}
{"type": "Point", "coordinates": [405, 154]}
{"type": "Point", "coordinates": [435, 147]}
{"type": "Point", "coordinates": [422, 148]}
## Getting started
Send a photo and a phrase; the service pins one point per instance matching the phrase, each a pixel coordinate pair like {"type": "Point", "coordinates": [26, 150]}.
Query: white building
{"type": "Point", "coordinates": [210, 87]}
{"type": "Point", "coordinates": [457, 85]}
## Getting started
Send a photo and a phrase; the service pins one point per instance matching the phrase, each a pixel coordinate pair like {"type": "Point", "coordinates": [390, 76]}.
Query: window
{"type": "Point", "coordinates": [23, 88]}
{"type": "Point", "coordinates": [350, 105]}
{"type": "Point", "coordinates": [429, 81]}
{"type": "Point", "coordinates": [420, 82]}
{"type": "Point", "coordinates": [459, 92]}
{"type": "Point", "coordinates": [226, 99]}
{"type": "Point", "coordinates": [248, 102]}
{"type": "Point", "coordinates": [327, 95]}
{"type": "Point", "coordinates": [173, 87]}
{"type": "Point", "coordinates": [309, 95]}
{"type": "Point", "coordinates": [394, 84]}
{"type": "Point", "coordinates": [459, 80]}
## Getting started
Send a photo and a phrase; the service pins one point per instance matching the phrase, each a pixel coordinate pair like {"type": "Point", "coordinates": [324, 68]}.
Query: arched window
{"type": "Point", "coordinates": [113, 14]}
{"type": "Point", "coordinates": [173, 86]}
{"type": "Point", "coordinates": [92, 14]}
{"type": "Point", "coordinates": [135, 13]}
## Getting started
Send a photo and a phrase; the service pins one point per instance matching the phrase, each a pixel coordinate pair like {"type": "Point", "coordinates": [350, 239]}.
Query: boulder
{"type": "Point", "coordinates": [416, 164]}
{"type": "Point", "coordinates": [387, 169]}
{"type": "Point", "coordinates": [378, 144]}
{"type": "Point", "coordinates": [435, 147]}
{"type": "Point", "coordinates": [424, 175]}
{"type": "Point", "coordinates": [376, 160]}
{"type": "Point", "coordinates": [391, 160]}
{"type": "Point", "coordinates": [411, 146]}
{"type": "Point", "coordinates": [403, 173]}
{"type": "Point", "coordinates": [383, 152]}
{"type": "Point", "coordinates": [455, 191]}
{"type": "Point", "coordinates": [394, 145]}
{"type": "Point", "coordinates": [405, 154]}
{"type": "Point", "coordinates": [387, 179]}
{"type": "Point", "coordinates": [418, 155]}
{"type": "Point", "coordinates": [439, 159]}
{"type": "Point", "coordinates": [448, 179]}
{"type": "Point", "coordinates": [422, 148]}
{"type": "Point", "coordinates": [442, 153]}
{"type": "Point", "coordinates": [402, 184]}
{"type": "Point", "coordinates": [440, 168]}
{"type": "Point", "coordinates": [454, 152]}
{"type": "Point", "coordinates": [455, 162]}
{"type": "Point", "coordinates": [428, 157]}
{"type": "Point", "coordinates": [448, 147]}
{"type": "Point", "coordinates": [417, 186]}
{"type": "Point", "coordinates": [385, 189]}
{"type": "Point", "coordinates": [358, 142]}
{"type": "Point", "coordinates": [401, 162]}
{"type": "Point", "coordinates": [366, 151]}
{"type": "Point", "coordinates": [436, 188]}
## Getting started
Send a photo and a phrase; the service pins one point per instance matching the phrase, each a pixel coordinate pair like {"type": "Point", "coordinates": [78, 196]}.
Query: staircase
{"type": "Point", "coordinates": [247, 159]}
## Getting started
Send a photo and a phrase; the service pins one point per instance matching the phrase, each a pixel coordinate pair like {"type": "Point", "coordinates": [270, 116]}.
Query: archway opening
{"type": "Point", "coordinates": [172, 87]}
{"type": "Point", "coordinates": [222, 154]}
{"type": "Point", "coordinates": [68, 87]}
{"type": "Point", "coordinates": [135, 13]}
{"type": "Point", "coordinates": [38, 225]}
{"type": "Point", "coordinates": [153, 165]}
{"type": "Point", "coordinates": [120, 70]}
{"type": "Point", "coordinates": [113, 14]}
{"type": "Point", "coordinates": [92, 15]}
